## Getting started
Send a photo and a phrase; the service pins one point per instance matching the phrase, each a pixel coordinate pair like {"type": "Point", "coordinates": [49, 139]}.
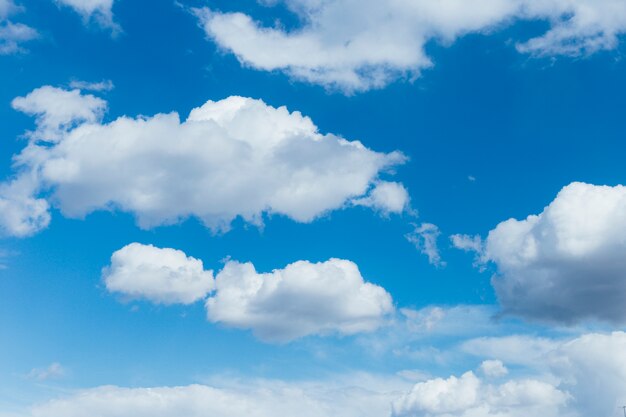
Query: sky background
{"type": "Point", "coordinates": [490, 134]}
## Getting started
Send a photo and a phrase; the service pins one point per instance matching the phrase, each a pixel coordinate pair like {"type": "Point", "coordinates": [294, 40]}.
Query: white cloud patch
{"type": "Point", "coordinates": [359, 45]}
{"type": "Point", "coordinates": [469, 396]}
{"type": "Point", "coordinates": [98, 11]}
{"type": "Point", "coordinates": [386, 197]}
{"type": "Point", "coordinates": [493, 368]}
{"type": "Point", "coordinates": [259, 398]}
{"type": "Point", "coordinates": [568, 263]}
{"type": "Point", "coordinates": [22, 214]}
{"type": "Point", "coordinates": [58, 111]}
{"type": "Point", "coordinates": [13, 35]}
{"type": "Point", "coordinates": [237, 157]}
{"type": "Point", "coordinates": [302, 299]}
{"type": "Point", "coordinates": [104, 85]}
{"type": "Point", "coordinates": [163, 276]}
{"type": "Point", "coordinates": [424, 237]}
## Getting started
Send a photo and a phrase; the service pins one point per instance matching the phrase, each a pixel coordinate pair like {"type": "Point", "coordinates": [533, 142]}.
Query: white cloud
{"type": "Point", "coordinates": [12, 35]}
{"type": "Point", "coordinates": [386, 197]}
{"type": "Point", "coordinates": [493, 368]}
{"type": "Point", "coordinates": [58, 111]}
{"type": "Point", "coordinates": [230, 158]}
{"type": "Point", "coordinates": [513, 349]}
{"type": "Point", "coordinates": [104, 85]}
{"type": "Point", "coordinates": [302, 299]}
{"type": "Point", "coordinates": [568, 263]}
{"type": "Point", "coordinates": [591, 368]}
{"type": "Point", "coordinates": [21, 214]}
{"type": "Point", "coordinates": [468, 396]}
{"type": "Point", "coordinates": [260, 398]}
{"type": "Point", "coordinates": [98, 11]}
{"type": "Point", "coordinates": [358, 45]}
{"type": "Point", "coordinates": [424, 237]}
{"type": "Point", "coordinates": [163, 276]}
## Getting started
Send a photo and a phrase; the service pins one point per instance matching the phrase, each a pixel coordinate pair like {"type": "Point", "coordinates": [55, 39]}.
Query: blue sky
{"type": "Point", "coordinates": [464, 119]}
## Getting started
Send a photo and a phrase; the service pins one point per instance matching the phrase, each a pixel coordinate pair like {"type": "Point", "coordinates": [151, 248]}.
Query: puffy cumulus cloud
{"type": "Point", "coordinates": [98, 11]}
{"type": "Point", "coordinates": [468, 396]}
{"type": "Point", "coordinates": [567, 263]}
{"type": "Point", "coordinates": [358, 45]}
{"type": "Point", "coordinates": [386, 197]}
{"type": "Point", "coordinates": [253, 398]}
{"type": "Point", "coordinates": [12, 35]}
{"type": "Point", "coordinates": [58, 111]}
{"type": "Point", "coordinates": [230, 158]}
{"type": "Point", "coordinates": [302, 299]}
{"type": "Point", "coordinates": [163, 276]}
{"type": "Point", "coordinates": [424, 237]}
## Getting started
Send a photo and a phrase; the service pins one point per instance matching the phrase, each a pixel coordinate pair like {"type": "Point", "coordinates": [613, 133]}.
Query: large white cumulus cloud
{"type": "Point", "coordinates": [363, 44]}
{"type": "Point", "coordinates": [567, 263]}
{"type": "Point", "coordinates": [303, 298]}
{"type": "Point", "coordinates": [164, 276]}
{"type": "Point", "coordinates": [229, 158]}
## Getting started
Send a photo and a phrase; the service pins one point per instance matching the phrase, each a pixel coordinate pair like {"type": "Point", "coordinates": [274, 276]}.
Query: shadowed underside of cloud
{"type": "Point", "coordinates": [357, 45]}
{"type": "Point", "coordinates": [566, 264]}
{"type": "Point", "coordinates": [237, 157]}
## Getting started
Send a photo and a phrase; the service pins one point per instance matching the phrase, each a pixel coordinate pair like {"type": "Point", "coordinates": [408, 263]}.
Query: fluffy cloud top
{"type": "Point", "coordinates": [99, 11]}
{"type": "Point", "coordinates": [469, 396]}
{"type": "Point", "coordinates": [358, 45]}
{"type": "Point", "coordinates": [568, 263]}
{"type": "Point", "coordinates": [230, 158]}
{"type": "Point", "coordinates": [12, 35]}
{"type": "Point", "coordinates": [163, 276]}
{"type": "Point", "coordinates": [303, 298]}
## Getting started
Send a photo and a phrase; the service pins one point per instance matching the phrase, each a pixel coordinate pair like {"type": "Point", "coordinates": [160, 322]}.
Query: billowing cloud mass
{"type": "Point", "coordinates": [567, 263]}
{"type": "Point", "coordinates": [358, 45]}
{"type": "Point", "coordinates": [98, 11]}
{"type": "Point", "coordinates": [163, 276]}
{"type": "Point", "coordinates": [303, 298]}
{"type": "Point", "coordinates": [469, 396]}
{"type": "Point", "coordinates": [12, 35]}
{"type": "Point", "coordinates": [230, 158]}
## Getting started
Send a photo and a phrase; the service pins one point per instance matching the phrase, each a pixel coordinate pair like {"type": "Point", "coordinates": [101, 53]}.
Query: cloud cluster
{"type": "Point", "coordinates": [469, 396]}
{"type": "Point", "coordinates": [359, 45]}
{"type": "Point", "coordinates": [237, 157]}
{"type": "Point", "coordinates": [163, 276]}
{"type": "Point", "coordinates": [12, 35]}
{"type": "Point", "coordinates": [302, 299]}
{"type": "Point", "coordinates": [565, 264]}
